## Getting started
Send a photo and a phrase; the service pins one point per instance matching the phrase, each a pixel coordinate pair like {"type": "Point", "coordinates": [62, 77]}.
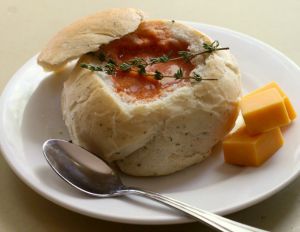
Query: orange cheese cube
{"type": "Point", "coordinates": [289, 107]}
{"type": "Point", "coordinates": [264, 111]}
{"type": "Point", "coordinates": [240, 148]}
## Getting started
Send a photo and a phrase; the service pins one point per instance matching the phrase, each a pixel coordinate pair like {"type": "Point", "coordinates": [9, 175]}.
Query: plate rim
{"type": "Point", "coordinates": [17, 168]}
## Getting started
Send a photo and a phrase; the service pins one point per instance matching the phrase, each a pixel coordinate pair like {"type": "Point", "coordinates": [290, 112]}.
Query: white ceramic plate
{"type": "Point", "coordinates": [30, 114]}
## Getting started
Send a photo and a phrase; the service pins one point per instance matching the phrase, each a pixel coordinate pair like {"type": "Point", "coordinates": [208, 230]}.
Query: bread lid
{"type": "Point", "coordinates": [87, 35]}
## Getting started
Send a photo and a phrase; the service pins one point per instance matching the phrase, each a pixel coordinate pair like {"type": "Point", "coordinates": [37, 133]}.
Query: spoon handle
{"type": "Point", "coordinates": [215, 221]}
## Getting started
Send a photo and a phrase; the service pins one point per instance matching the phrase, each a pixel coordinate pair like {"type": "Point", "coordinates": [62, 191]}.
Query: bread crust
{"type": "Point", "coordinates": [161, 136]}
{"type": "Point", "coordinates": [87, 34]}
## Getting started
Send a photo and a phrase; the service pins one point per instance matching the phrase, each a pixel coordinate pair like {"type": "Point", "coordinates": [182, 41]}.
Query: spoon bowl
{"type": "Point", "coordinates": [85, 172]}
{"type": "Point", "coordinates": [91, 175]}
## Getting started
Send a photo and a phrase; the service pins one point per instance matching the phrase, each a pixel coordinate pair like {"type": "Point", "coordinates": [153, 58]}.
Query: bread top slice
{"type": "Point", "coordinates": [87, 34]}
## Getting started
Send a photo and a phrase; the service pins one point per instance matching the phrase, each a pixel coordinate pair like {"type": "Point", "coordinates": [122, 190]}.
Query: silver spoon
{"type": "Point", "coordinates": [91, 175]}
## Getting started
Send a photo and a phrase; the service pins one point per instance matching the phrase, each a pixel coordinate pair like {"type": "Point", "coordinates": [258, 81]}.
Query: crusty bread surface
{"type": "Point", "coordinates": [148, 138]}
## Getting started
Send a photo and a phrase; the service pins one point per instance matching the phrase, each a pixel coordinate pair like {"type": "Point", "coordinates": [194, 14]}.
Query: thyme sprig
{"type": "Point", "coordinates": [139, 65]}
{"type": "Point", "coordinates": [157, 75]}
{"type": "Point", "coordinates": [109, 67]}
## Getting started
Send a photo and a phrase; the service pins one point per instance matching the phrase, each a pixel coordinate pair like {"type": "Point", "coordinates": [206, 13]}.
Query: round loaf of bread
{"type": "Point", "coordinates": [162, 133]}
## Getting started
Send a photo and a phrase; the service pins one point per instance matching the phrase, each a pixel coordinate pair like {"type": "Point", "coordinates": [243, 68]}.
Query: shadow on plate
{"type": "Point", "coordinates": [192, 178]}
{"type": "Point", "coordinates": [42, 116]}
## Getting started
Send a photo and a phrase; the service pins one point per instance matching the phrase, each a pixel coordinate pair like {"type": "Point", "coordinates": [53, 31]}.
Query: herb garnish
{"type": "Point", "coordinates": [139, 64]}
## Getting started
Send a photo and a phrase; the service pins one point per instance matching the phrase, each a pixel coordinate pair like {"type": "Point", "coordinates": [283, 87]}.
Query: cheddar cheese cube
{"type": "Point", "coordinates": [243, 149]}
{"type": "Point", "coordinates": [264, 110]}
{"type": "Point", "coordinates": [289, 107]}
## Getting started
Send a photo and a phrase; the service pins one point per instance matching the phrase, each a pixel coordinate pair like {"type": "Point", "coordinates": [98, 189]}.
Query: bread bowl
{"type": "Point", "coordinates": [147, 127]}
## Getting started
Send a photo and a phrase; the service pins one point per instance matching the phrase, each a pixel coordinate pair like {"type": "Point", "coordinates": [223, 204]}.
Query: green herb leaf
{"type": "Point", "coordinates": [142, 69]}
{"type": "Point", "coordinates": [178, 74]}
{"type": "Point", "coordinates": [158, 75]}
{"type": "Point", "coordinates": [110, 67]}
{"type": "Point", "coordinates": [211, 47]}
{"type": "Point", "coordinates": [125, 67]}
{"type": "Point", "coordinates": [185, 55]}
{"type": "Point", "coordinates": [160, 59]}
{"type": "Point", "coordinates": [137, 61]}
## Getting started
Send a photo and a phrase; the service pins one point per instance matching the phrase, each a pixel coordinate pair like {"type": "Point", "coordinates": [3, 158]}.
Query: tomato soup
{"type": "Point", "coordinates": [151, 39]}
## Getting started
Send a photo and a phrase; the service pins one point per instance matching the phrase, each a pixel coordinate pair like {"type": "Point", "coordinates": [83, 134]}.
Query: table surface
{"type": "Point", "coordinates": [25, 27]}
